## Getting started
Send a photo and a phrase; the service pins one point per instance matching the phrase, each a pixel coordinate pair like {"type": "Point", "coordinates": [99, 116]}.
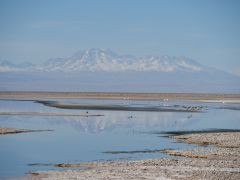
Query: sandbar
{"type": "Point", "coordinates": [14, 130]}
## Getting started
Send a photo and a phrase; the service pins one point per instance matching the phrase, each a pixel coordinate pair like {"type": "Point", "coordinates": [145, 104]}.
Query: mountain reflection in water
{"type": "Point", "coordinates": [116, 121]}
{"type": "Point", "coordinates": [84, 138]}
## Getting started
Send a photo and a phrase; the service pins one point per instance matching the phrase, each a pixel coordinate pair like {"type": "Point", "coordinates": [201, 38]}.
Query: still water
{"type": "Point", "coordinates": [79, 138]}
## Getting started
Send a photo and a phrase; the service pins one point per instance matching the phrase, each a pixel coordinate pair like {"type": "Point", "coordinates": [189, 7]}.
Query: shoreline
{"type": "Point", "coordinates": [92, 106]}
{"type": "Point", "coordinates": [4, 131]}
{"type": "Point", "coordinates": [47, 114]}
{"type": "Point", "coordinates": [124, 95]}
{"type": "Point", "coordinates": [221, 160]}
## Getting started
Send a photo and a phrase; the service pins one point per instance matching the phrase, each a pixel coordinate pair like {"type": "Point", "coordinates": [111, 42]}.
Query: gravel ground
{"type": "Point", "coordinates": [220, 162]}
{"type": "Point", "coordinates": [225, 140]}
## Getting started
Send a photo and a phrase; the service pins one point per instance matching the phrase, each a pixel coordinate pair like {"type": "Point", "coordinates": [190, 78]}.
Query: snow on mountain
{"type": "Point", "coordinates": [103, 70]}
{"type": "Point", "coordinates": [105, 60]}
{"type": "Point", "coordinates": [6, 66]}
{"type": "Point", "coordinates": [90, 60]}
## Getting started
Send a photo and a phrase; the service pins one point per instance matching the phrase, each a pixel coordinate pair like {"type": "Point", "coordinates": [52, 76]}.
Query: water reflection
{"type": "Point", "coordinates": [85, 138]}
{"type": "Point", "coordinates": [120, 121]}
{"type": "Point", "coordinates": [111, 121]}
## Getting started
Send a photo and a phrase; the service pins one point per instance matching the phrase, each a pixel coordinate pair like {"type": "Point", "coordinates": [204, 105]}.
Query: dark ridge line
{"type": "Point", "coordinates": [176, 133]}
{"type": "Point", "coordinates": [9, 99]}
{"type": "Point", "coordinates": [136, 151]}
{"type": "Point", "coordinates": [17, 131]}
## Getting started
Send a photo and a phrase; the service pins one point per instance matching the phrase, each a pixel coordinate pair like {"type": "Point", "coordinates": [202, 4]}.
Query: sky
{"type": "Point", "coordinates": [207, 31]}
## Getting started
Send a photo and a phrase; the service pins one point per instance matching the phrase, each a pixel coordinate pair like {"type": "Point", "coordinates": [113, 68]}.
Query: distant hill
{"type": "Point", "coordinates": [104, 70]}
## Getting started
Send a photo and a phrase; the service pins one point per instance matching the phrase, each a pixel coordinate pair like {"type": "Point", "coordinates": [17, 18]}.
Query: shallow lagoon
{"type": "Point", "coordinates": [76, 139]}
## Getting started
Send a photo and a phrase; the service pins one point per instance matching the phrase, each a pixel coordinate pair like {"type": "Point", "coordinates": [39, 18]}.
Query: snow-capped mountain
{"type": "Point", "coordinates": [105, 60]}
{"type": "Point", "coordinates": [104, 70]}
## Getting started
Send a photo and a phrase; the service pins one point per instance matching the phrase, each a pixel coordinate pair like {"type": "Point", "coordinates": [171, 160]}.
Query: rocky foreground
{"type": "Point", "coordinates": [221, 161]}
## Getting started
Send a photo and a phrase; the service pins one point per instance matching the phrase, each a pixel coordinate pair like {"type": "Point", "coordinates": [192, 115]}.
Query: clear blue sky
{"type": "Point", "coordinates": [205, 30]}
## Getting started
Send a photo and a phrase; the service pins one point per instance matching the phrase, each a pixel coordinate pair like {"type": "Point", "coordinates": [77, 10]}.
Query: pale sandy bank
{"type": "Point", "coordinates": [121, 95]}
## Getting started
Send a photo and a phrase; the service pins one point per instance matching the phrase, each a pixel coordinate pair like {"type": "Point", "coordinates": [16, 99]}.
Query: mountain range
{"type": "Point", "coordinates": [105, 70]}
{"type": "Point", "coordinates": [108, 61]}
